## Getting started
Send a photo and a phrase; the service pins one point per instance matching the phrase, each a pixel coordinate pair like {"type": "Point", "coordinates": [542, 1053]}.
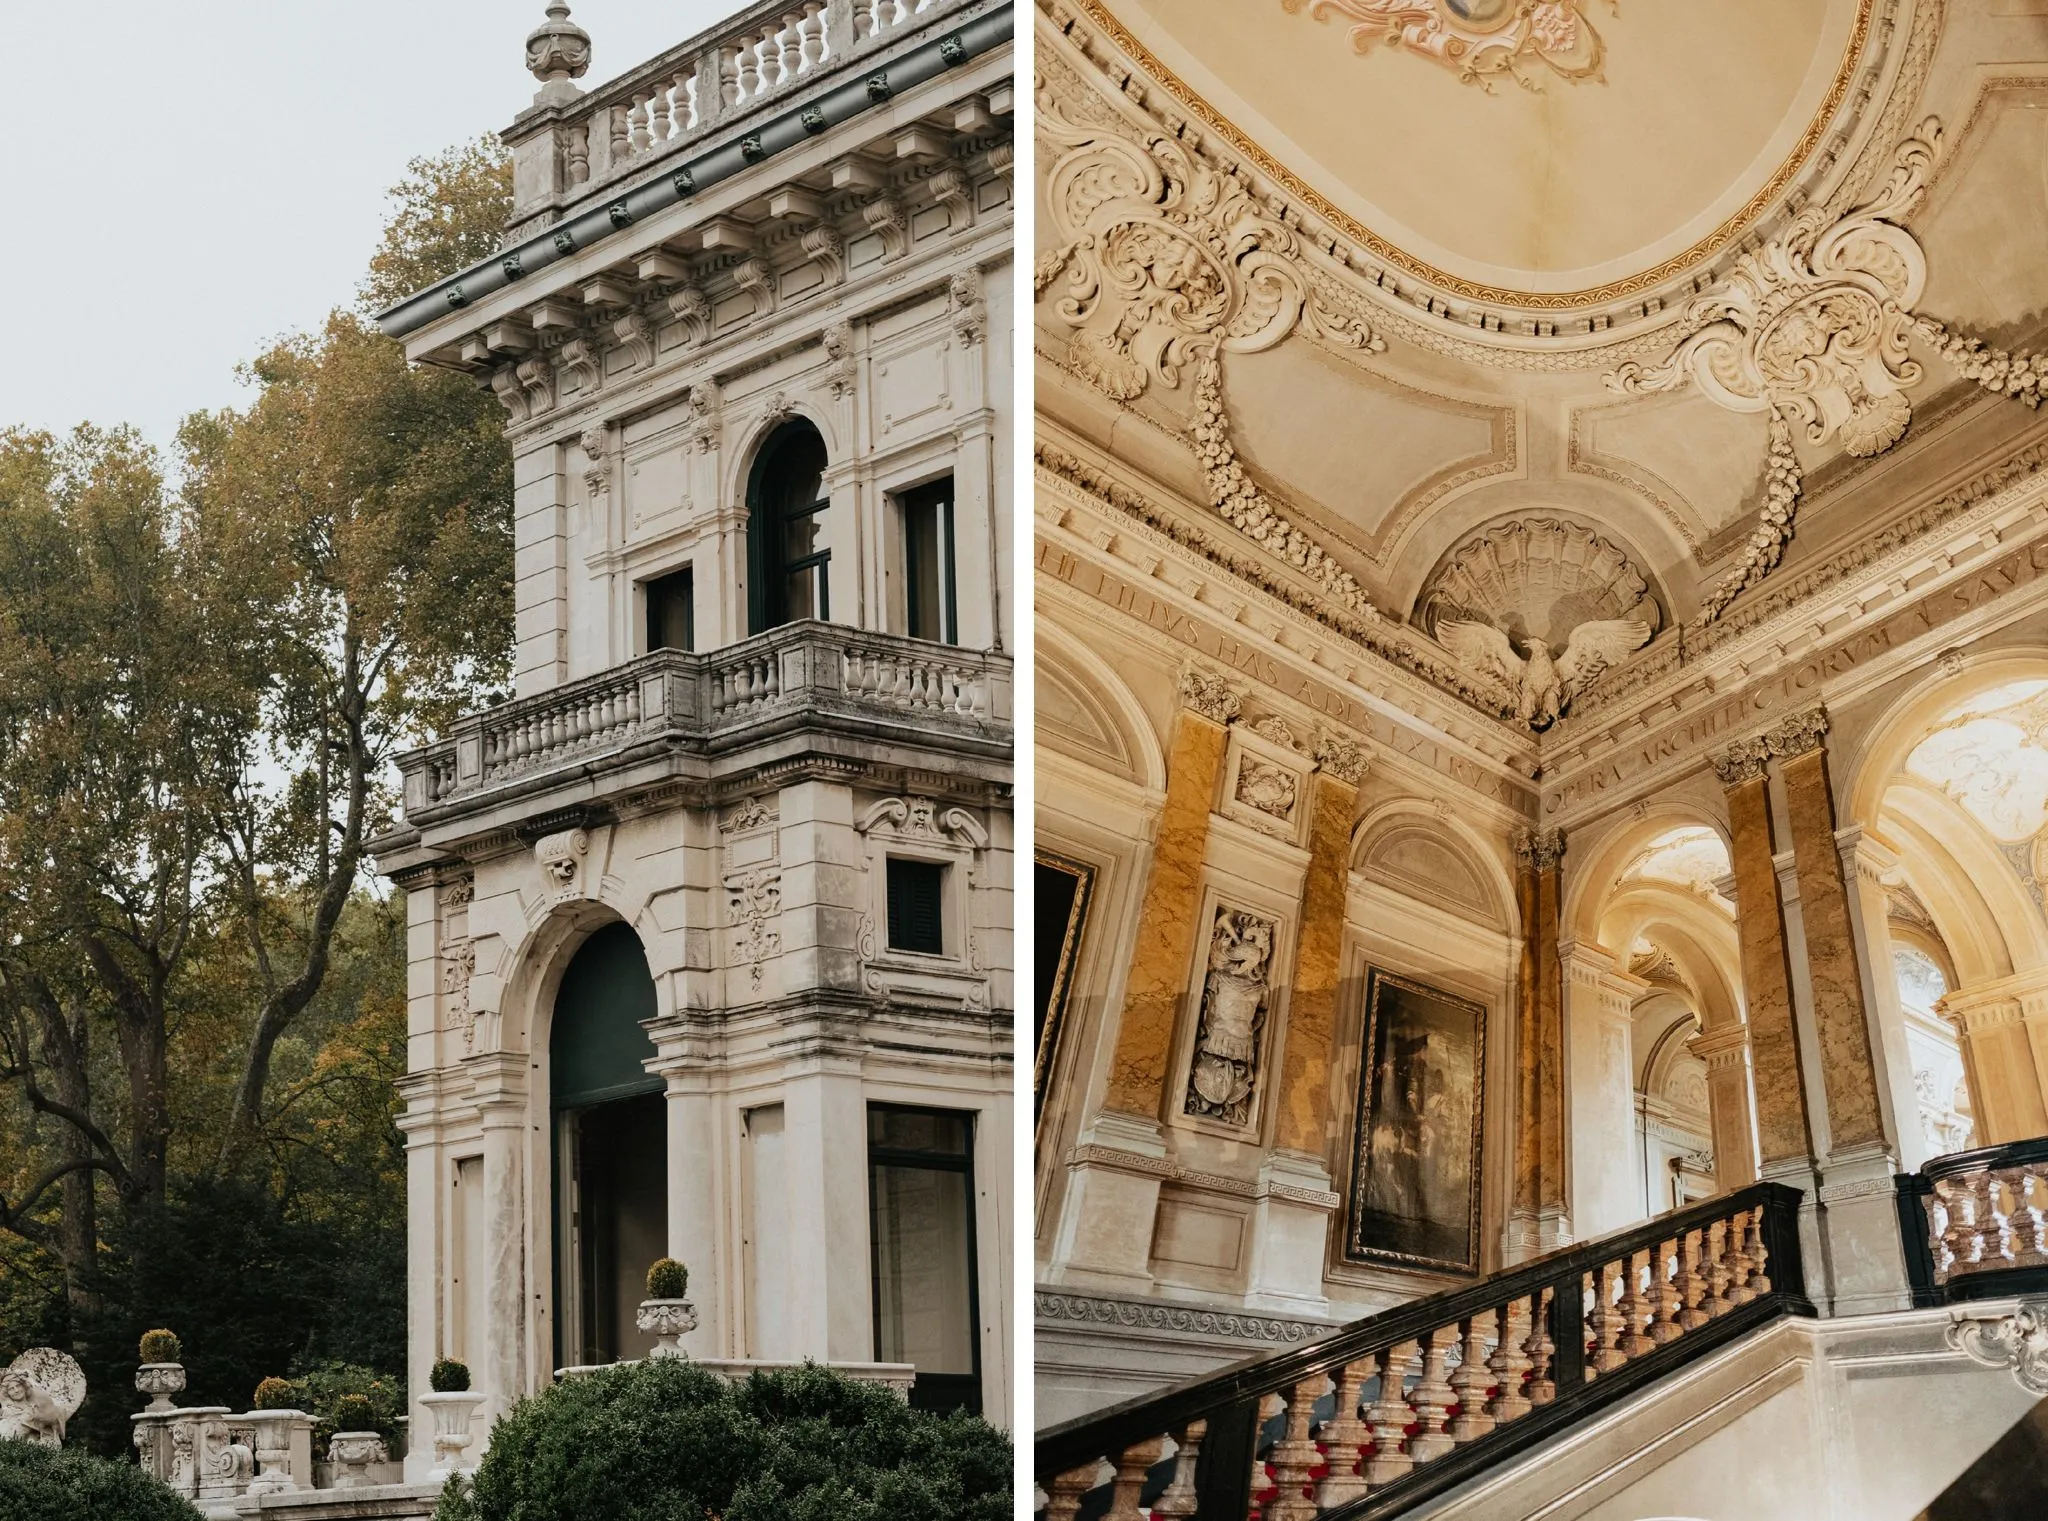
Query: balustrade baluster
{"type": "Point", "coordinates": [1739, 1264]}
{"type": "Point", "coordinates": [814, 39]}
{"type": "Point", "coordinates": [1605, 1323]}
{"type": "Point", "coordinates": [1541, 1349]}
{"type": "Point", "coordinates": [1390, 1416]}
{"type": "Point", "coordinates": [771, 678]}
{"type": "Point", "coordinates": [1635, 1304]}
{"type": "Point", "coordinates": [1270, 1405]}
{"type": "Point", "coordinates": [1432, 1398]}
{"type": "Point", "coordinates": [1131, 1468]}
{"type": "Point", "coordinates": [1759, 1255]}
{"type": "Point", "coordinates": [1717, 1301]}
{"type": "Point", "coordinates": [1063, 1494]}
{"type": "Point", "coordinates": [1664, 1295]}
{"type": "Point", "coordinates": [750, 68]}
{"type": "Point", "coordinates": [1510, 1364]}
{"type": "Point", "coordinates": [1178, 1499]}
{"type": "Point", "coordinates": [1295, 1454]}
{"type": "Point", "coordinates": [728, 78]}
{"type": "Point", "coordinates": [621, 134]}
{"type": "Point", "coordinates": [2030, 1242]}
{"type": "Point", "coordinates": [1345, 1434]}
{"type": "Point", "coordinates": [1472, 1381]}
{"type": "Point", "coordinates": [1691, 1285]}
{"type": "Point", "coordinates": [658, 128]}
{"type": "Point", "coordinates": [689, 114]}
{"type": "Point", "coordinates": [633, 706]}
{"type": "Point", "coordinates": [637, 138]}
{"type": "Point", "coordinates": [580, 725]}
{"type": "Point", "coordinates": [787, 47]}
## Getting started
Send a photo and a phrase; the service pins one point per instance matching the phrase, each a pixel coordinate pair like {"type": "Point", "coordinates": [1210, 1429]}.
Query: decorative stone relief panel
{"type": "Point", "coordinates": [1480, 39]}
{"type": "Point", "coordinates": [1265, 778]}
{"type": "Point", "coordinates": [753, 884]}
{"type": "Point", "coordinates": [458, 961]}
{"type": "Point", "coordinates": [1223, 1078]}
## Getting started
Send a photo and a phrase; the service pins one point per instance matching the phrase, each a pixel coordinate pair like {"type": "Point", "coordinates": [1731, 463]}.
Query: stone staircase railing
{"type": "Point", "coordinates": [711, 699]}
{"type": "Point", "coordinates": [1397, 1408]}
{"type": "Point", "coordinates": [1975, 1223]}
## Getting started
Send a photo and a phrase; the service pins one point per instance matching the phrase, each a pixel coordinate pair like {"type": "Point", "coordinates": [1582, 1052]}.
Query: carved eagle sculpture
{"type": "Point", "coordinates": [1544, 685]}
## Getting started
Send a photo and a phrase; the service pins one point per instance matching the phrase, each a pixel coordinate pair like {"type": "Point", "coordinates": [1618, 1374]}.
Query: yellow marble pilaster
{"type": "Point", "coordinates": [1991, 1024]}
{"type": "Point", "coordinates": [1848, 1065]}
{"type": "Point", "coordinates": [1540, 1206]}
{"type": "Point", "coordinates": [1157, 983]}
{"type": "Point", "coordinates": [1783, 1129]}
{"type": "Point", "coordinates": [1304, 1086]}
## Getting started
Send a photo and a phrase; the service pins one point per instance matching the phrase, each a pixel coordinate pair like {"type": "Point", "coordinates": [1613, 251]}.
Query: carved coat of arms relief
{"type": "Point", "coordinates": [1479, 39]}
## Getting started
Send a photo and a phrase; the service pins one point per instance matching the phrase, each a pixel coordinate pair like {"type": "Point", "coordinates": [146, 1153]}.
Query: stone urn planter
{"type": "Point", "coordinates": [273, 1447]}
{"type": "Point", "coordinates": [160, 1381]}
{"type": "Point", "coordinates": [668, 1320]}
{"type": "Point", "coordinates": [452, 1413]}
{"type": "Point", "coordinates": [353, 1453]}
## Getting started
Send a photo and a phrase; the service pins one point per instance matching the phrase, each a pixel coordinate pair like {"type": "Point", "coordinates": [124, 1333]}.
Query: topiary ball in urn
{"type": "Point", "coordinates": [665, 1313]}
{"type": "Point", "coordinates": [162, 1347]}
{"type": "Point", "coordinates": [162, 1373]}
{"type": "Point", "coordinates": [274, 1394]}
{"type": "Point", "coordinates": [668, 1279]}
{"type": "Point", "coordinates": [449, 1377]}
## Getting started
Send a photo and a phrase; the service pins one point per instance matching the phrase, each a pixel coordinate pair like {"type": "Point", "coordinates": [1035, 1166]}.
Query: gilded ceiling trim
{"type": "Point", "coordinates": [1727, 234]}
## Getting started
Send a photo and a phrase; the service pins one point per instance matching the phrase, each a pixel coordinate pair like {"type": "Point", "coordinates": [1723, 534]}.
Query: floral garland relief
{"type": "Point", "coordinates": [1812, 328]}
{"type": "Point", "coordinates": [1480, 39]}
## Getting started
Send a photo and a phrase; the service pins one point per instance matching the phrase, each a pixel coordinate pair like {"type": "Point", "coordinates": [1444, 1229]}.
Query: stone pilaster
{"type": "Point", "coordinates": [1290, 1221]}
{"type": "Point", "coordinates": [1869, 866]}
{"type": "Point", "coordinates": [1784, 1131]}
{"type": "Point", "coordinates": [1104, 1236]}
{"type": "Point", "coordinates": [1540, 1218]}
{"type": "Point", "coordinates": [499, 1080]}
{"type": "Point", "coordinates": [1725, 1052]}
{"type": "Point", "coordinates": [1606, 1175]}
{"type": "Point", "coordinates": [2002, 1027]}
{"type": "Point", "coordinates": [695, 1198]}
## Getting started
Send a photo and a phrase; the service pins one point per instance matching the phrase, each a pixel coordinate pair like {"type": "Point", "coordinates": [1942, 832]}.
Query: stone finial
{"type": "Point", "coordinates": [1208, 694]}
{"type": "Point", "coordinates": [558, 51]}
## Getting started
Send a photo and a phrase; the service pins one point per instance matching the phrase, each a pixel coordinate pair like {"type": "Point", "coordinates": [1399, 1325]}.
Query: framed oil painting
{"type": "Point", "coordinates": [1415, 1175]}
{"type": "Point", "coordinates": [1062, 888]}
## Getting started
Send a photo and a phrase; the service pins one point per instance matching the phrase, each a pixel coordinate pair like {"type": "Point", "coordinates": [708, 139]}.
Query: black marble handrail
{"type": "Point", "coordinates": [1536, 1348]}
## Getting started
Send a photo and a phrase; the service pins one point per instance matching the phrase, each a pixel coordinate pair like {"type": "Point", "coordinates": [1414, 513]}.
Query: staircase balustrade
{"type": "Point", "coordinates": [1975, 1223]}
{"type": "Point", "coordinates": [1401, 1406]}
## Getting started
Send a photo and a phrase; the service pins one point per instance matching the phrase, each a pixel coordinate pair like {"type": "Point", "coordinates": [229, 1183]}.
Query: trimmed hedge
{"type": "Point", "coordinates": [41, 1484]}
{"type": "Point", "coordinates": [665, 1440]}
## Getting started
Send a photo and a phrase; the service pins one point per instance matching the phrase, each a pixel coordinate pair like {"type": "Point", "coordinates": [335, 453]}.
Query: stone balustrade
{"type": "Point", "coordinates": [764, 54]}
{"type": "Point", "coordinates": [819, 674]}
{"type": "Point", "coordinates": [896, 1376]}
{"type": "Point", "coordinates": [1976, 1222]}
{"type": "Point", "coordinates": [1401, 1406]}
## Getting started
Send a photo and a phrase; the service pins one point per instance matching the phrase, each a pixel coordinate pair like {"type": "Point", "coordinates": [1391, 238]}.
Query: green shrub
{"type": "Point", "coordinates": [344, 1397]}
{"type": "Point", "coordinates": [162, 1347]}
{"type": "Point", "coordinates": [274, 1394]}
{"type": "Point", "coordinates": [39, 1484]}
{"type": "Point", "coordinates": [665, 1438]}
{"type": "Point", "coordinates": [668, 1279]}
{"type": "Point", "coordinates": [449, 1377]}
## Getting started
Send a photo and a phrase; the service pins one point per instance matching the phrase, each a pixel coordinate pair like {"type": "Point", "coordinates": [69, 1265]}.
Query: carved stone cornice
{"type": "Point", "coordinates": [1538, 849]}
{"type": "Point", "coordinates": [1204, 692]}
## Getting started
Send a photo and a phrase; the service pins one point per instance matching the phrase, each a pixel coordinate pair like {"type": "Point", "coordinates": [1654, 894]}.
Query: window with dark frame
{"type": "Point", "coordinates": [921, 1227]}
{"type": "Point", "coordinates": [787, 556]}
{"type": "Point", "coordinates": [917, 906]}
{"type": "Point", "coordinates": [672, 612]}
{"type": "Point", "coordinates": [930, 604]}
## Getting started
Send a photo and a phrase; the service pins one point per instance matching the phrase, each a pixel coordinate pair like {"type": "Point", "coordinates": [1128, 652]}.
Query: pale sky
{"type": "Point", "coordinates": [188, 179]}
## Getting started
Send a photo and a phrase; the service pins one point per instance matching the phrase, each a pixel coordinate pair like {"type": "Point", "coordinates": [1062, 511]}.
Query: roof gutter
{"type": "Point", "coordinates": [566, 239]}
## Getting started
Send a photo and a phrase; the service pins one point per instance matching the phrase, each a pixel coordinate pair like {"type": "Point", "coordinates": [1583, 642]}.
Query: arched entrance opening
{"type": "Point", "coordinates": [610, 1150]}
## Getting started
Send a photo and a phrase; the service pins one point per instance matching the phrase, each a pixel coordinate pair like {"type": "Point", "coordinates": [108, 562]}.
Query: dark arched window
{"type": "Point", "coordinates": [611, 1149]}
{"type": "Point", "coordinates": [787, 557]}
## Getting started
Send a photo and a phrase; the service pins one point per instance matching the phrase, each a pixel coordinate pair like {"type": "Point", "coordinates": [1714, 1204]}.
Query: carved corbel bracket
{"type": "Point", "coordinates": [692, 308]}
{"type": "Point", "coordinates": [756, 277]}
{"type": "Point", "coordinates": [823, 246]}
{"type": "Point", "coordinates": [885, 218]}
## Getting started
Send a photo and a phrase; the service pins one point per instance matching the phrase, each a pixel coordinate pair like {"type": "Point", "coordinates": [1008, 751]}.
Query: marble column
{"type": "Point", "coordinates": [1997, 1025]}
{"type": "Point", "coordinates": [1784, 1131]}
{"type": "Point", "coordinates": [1540, 1219]}
{"type": "Point", "coordinates": [1869, 867]}
{"type": "Point", "coordinates": [1725, 1052]}
{"type": "Point", "coordinates": [1865, 1265]}
{"type": "Point", "coordinates": [1104, 1236]}
{"type": "Point", "coordinates": [1606, 1172]}
{"type": "Point", "coordinates": [1291, 1218]}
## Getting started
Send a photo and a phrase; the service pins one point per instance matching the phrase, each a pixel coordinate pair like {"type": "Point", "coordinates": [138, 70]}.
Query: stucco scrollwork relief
{"type": "Point", "coordinates": [1267, 787]}
{"type": "Point", "coordinates": [1224, 1076]}
{"type": "Point", "coordinates": [1204, 692]}
{"type": "Point", "coordinates": [1479, 38]}
{"type": "Point", "coordinates": [2017, 1342]}
{"type": "Point", "coordinates": [754, 902]}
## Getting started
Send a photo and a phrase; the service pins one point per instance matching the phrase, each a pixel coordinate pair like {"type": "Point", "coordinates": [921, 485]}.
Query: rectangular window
{"type": "Point", "coordinates": [917, 905]}
{"type": "Point", "coordinates": [929, 606]}
{"type": "Point", "coordinates": [921, 1207]}
{"type": "Point", "coordinates": [671, 612]}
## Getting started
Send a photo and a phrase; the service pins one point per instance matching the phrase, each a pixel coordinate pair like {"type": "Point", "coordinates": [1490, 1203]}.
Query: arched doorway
{"type": "Point", "coordinates": [610, 1150]}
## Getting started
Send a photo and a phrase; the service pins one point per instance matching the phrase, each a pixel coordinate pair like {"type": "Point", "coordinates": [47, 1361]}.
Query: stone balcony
{"type": "Point", "coordinates": [804, 690]}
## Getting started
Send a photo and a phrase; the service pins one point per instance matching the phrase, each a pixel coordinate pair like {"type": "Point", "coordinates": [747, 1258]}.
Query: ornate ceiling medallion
{"type": "Point", "coordinates": [1478, 38]}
